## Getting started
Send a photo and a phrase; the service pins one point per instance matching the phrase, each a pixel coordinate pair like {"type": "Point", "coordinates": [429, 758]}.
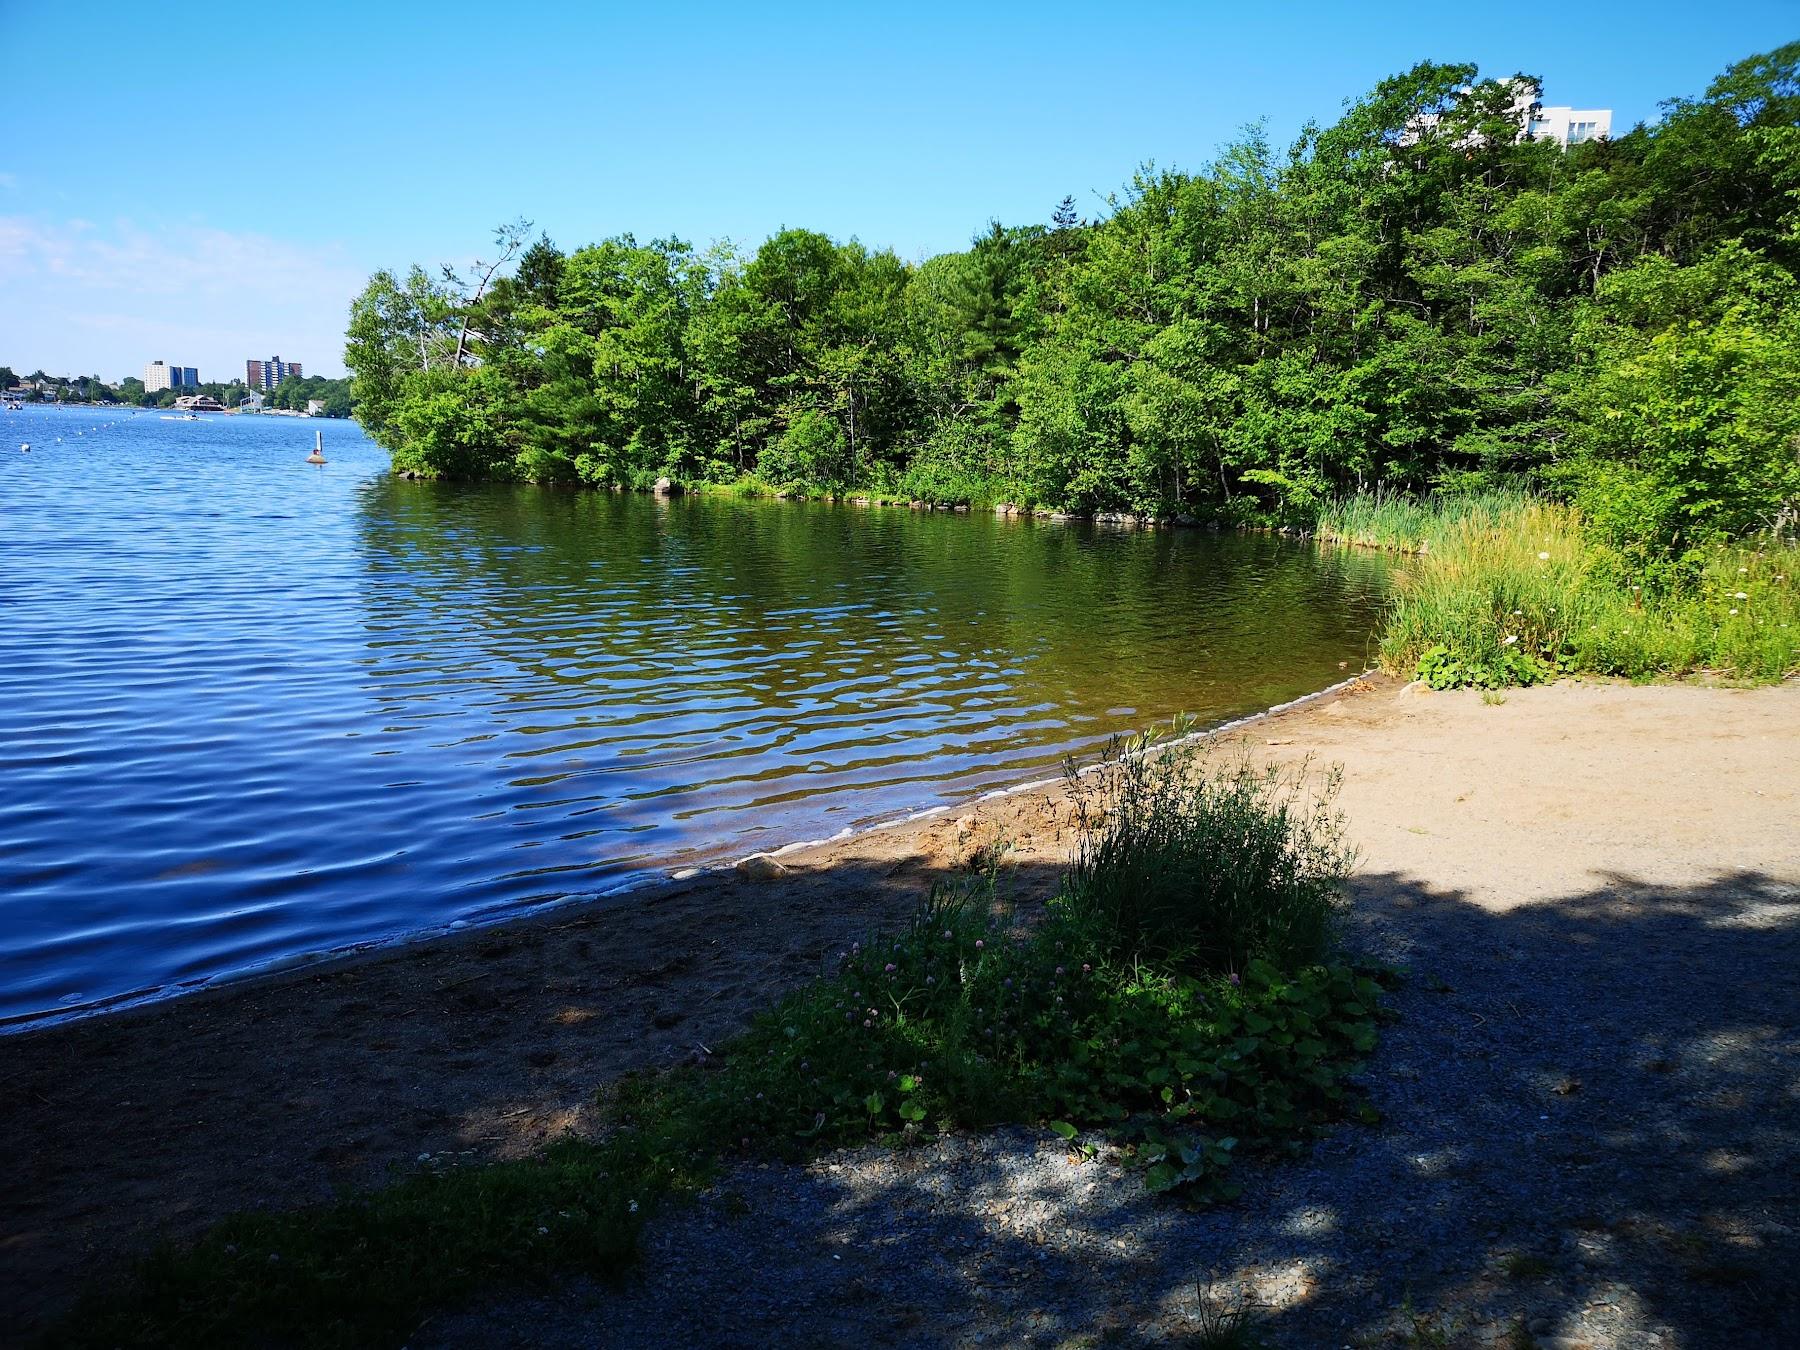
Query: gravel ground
{"type": "Point", "coordinates": [1591, 1138]}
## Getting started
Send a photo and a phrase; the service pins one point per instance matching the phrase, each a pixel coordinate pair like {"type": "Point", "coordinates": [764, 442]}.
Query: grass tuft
{"type": "Point", "coordinates": [1204, 868]}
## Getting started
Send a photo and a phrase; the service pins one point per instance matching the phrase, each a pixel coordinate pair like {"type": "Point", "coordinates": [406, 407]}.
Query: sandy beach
{"type": "Point", "coordinates": [154, 1122]}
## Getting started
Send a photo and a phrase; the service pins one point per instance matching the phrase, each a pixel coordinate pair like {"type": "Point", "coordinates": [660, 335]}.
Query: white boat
{"type": "Point", "coordinates": [181, 417]}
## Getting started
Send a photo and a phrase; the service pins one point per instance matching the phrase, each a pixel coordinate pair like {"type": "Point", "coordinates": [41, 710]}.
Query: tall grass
{"type": "Point", "coordinates": [1206, 868]}
{"type": "Point", "coordinates": [1402, 523]}
{"type": "Point", "coordinates": [1509, 593]}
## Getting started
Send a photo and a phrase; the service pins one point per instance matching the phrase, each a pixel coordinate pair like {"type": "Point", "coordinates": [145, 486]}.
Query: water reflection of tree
{"type": "Point", "coordinates": [792, 637]}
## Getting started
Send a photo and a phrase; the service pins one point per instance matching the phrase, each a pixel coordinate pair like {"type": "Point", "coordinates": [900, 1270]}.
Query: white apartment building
{"type": "Point", "coordinates": [1562, 124]}
{"type": "Point", "coordinates": [158, 376]}
{"type": "Point", "coordinates": [1569, 126]}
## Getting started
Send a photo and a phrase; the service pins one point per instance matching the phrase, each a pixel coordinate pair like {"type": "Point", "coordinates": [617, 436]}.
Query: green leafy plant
{"type": "Point", "coordinates": [1202, 866]}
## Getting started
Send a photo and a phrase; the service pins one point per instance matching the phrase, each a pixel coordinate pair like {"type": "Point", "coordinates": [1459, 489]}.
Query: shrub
{"type": "Point", "coordinates": [812, 452]}
{"type": "Point", "coordinates": [450, 424]}
{"type": "Point", "coordinates": [1206, 869]}
{"type": "Point", "coordinates": [965, 1019]}
{"type": "Point", "coordinates": [956, 467]}
{"type": "Point", "coordinates": [1686, 431]}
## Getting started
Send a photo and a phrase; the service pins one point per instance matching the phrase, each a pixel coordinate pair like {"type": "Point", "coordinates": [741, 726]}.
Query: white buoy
{"type": "Point", "coordinates": [318, 454]}
{"type": "Point", "coordinates": [25, 447]}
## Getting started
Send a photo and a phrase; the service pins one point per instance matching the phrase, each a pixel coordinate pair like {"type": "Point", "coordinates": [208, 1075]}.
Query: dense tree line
{"type": "Point", "coordinates": [296, 391]}
{"type": "Point", "coordinates": [1417, 296]}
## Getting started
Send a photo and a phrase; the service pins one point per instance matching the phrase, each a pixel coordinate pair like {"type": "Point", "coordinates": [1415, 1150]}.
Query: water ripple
{"type": "Point", "coordinates": [251, 710]}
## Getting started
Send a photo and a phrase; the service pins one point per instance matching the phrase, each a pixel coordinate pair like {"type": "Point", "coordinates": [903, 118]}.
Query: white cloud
{"type": "Point", "coordinates": [86, 298]}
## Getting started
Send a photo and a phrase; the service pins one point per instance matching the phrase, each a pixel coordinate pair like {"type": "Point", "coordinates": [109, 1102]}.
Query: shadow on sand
{"type": "Point", "coordinates": [1591, 1136]}
{"type": "Point", "coordinates": [1592, 1132]}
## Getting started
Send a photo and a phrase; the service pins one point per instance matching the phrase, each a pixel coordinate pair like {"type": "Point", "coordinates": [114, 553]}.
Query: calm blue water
{"type": "Point", "coordinates": [252, 709]}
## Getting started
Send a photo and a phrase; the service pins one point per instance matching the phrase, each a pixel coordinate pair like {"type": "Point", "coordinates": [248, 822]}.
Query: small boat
{"type": "Point", "coordinates": [181, 417]}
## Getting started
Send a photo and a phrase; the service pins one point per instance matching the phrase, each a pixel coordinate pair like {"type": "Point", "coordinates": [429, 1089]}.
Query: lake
{"type": "Point", "coordinates": [252, 709]}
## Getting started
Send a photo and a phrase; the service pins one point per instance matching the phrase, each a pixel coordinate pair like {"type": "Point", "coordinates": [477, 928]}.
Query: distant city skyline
{"type": "Point", "coordinates": [908, 130]}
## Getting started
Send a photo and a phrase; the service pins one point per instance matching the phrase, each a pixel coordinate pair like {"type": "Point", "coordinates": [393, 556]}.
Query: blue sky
{"type": "Point", "coordinates": [218, 186]}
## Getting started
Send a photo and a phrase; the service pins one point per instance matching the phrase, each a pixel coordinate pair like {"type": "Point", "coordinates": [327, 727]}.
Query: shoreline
{"type": "Point", "coordinates": [862, 498]}
{"type": "Point", "coordinates": [643, 883]}
{"type": "Point", "coordinates": [490, 1042]}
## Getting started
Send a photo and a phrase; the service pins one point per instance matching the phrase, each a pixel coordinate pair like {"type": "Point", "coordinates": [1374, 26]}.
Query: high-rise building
{"type": "Point", "coordinates": [1569, 126]}
{"type": "Point", "coordinates": [1562, 124]}
{"type": "Point", "coordinates": [268, 374]}
{"type": "Point", "coordinates": [159, 376]}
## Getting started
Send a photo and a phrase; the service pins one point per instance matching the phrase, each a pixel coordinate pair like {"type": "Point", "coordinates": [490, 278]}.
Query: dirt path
{"type": "Point", "coordinates": [1593, 1081]}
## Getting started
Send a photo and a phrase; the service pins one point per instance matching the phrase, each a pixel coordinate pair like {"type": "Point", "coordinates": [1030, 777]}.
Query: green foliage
{"type": "Point", "coordinates": [1204, 869]}
{"type": "Point", "coordinates": [968, 1016]}
{"type": "Point", "coordinates": [1392, 304]}
{"type": "Point", "coordinates": [296, 392]}
{"type": "Point", "coordinates": [1505, 666]}
{"type": "Point", "coordinates": [957, 466]}
{"type": "Point", "coordinates": [1690, 430]}
{"type": "Point", "coordinates": [1177, 1010]}
{"type": "Point", "coordinates": [451, 424]}
{"type": "Point", "coordinates": [1521, 593]}
{"type": "Point", "coordinates": [358, 1272]}
{"type": "Point", "coordinates": [813, 450]}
